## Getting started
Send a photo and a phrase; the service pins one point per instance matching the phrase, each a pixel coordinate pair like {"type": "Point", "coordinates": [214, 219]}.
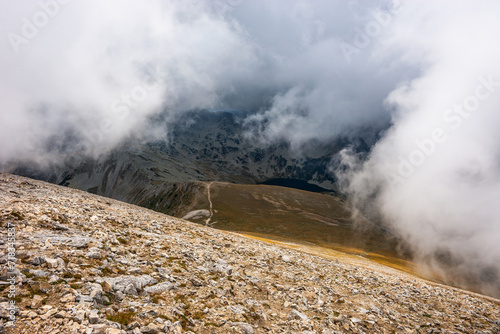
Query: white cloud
{"type": "Point", "coordinates": [447, 203]}
{"type": "Point", "coordinates": [84, 70]}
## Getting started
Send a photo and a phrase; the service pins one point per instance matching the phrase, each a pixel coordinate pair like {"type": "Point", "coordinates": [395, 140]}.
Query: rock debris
{"type": "Point", "coordinates": [88, 264]}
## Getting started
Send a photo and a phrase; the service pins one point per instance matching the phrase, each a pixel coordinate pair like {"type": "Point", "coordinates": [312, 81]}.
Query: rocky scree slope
{"type": "Point", "coordinates": [88, 264]}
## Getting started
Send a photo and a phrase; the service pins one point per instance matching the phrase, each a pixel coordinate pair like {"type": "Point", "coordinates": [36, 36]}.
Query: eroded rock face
{"type": "Point", "coordinates": [87, 264]}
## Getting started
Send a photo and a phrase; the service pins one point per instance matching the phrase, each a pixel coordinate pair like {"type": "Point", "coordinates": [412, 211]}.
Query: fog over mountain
{"type": "Point", "coordinates": [96, 71]}
{"type": "Point", "coordinates": [84, 77]}
{"type": "Point", "coordinates": [434, 176]}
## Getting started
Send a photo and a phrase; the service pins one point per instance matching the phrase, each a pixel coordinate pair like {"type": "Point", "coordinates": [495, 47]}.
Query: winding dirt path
{"type": "Point", "coordinates": [207, 222]}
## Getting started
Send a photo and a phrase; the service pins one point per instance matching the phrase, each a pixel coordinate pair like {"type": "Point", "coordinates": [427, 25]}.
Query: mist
{"type": "Point", "coordinates": [84, 77]}
{"type": "Point", "coordinates": [94, 72]}
{"type": "Point", "coordinates": [434, 177]}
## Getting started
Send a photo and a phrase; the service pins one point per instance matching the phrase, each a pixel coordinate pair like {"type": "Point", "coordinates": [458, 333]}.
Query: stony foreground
{"type": "Point", "coordinates": [88, 264]}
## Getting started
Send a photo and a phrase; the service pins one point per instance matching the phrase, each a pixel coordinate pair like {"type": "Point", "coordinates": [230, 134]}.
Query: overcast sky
{"type": "Point", "coordinates": [85, 75]}
{"type": "Point", "coordinates": [97, 69]}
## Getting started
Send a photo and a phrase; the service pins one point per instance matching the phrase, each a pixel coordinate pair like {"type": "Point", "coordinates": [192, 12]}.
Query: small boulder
{"type": "Point", "coordinates": [93, 317]}
{"type": "Point", "coordinates": [78, 242]}
{"type": "Point", "coordinates": [107, 286]}
{"type": "Point", "coordinates": [243, 327]}
{"type": "Point", "coordinates": [38, 260]}
{"type": "Point", "coordinates": [158, 288]}
{"type": "Point", "coordinates": [113, 331]}
{"type": "Point", "coordinates": [134, 270]}
{"type": "Point", "coordinates": [94, 253]}
{"type": "Point", "coordinates": [37, 301]}
{"type": "Point", "coordinates": [59, 227]}
{"type": "Point", "coordinates": [150, 329]}
{"type": "Point", "coordinates": [294, 314]}
{"type": "Point", "coordinates": [68, 298]}
{"type": "Point", "coordinates": [176, 328]}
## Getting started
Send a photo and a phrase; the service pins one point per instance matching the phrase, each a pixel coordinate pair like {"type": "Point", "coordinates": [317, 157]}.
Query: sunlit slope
{"type": "Point", "coordinates": [292, 215]}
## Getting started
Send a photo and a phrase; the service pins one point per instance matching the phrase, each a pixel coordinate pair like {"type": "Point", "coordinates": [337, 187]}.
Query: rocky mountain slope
{"type": "Point", "coordinates": [73, 262]}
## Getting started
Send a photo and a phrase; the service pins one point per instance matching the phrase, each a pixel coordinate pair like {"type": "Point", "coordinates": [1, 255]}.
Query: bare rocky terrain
{"type": "Point", "coordinates": [80, 263]}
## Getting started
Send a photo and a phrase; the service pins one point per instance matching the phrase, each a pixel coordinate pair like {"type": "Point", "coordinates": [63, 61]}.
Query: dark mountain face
{"type": "Point", "coordinates": [164, 175]}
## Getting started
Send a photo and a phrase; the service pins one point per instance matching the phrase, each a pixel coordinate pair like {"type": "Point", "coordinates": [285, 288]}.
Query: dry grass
{"type": "Point", "coordinates": [124, 318]}
{"type": "Point", "coordinates": [297, 216]}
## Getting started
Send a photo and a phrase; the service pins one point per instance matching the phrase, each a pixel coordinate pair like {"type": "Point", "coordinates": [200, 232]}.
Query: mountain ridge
{"type": "Point", "coordinates": [197, 146]}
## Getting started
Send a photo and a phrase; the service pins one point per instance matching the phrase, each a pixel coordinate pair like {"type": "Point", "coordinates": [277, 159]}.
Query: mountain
{"type": "Point", "coordinates": [171, 174]}
{"type": "Point", "coordinates": [161, 174]}
{"type": "Point", "coordinates": [88, 264]}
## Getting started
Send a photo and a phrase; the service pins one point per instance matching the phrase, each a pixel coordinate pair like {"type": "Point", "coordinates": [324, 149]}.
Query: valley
{"type": "Point", "coordinates": [293, 216]}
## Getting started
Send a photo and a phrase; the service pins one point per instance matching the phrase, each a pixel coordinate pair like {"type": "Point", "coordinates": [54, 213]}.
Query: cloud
{"type": "Point", "coordinates": [323, 91]}
{"type": "Point", "coordinates": [95, 71]}
{"type": "Point", "coordinates": [84, 76]}
{"type": "Point", "coordinates": [435, 176]}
